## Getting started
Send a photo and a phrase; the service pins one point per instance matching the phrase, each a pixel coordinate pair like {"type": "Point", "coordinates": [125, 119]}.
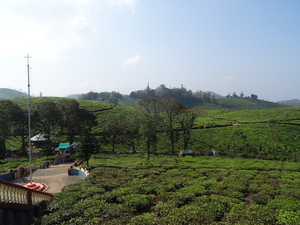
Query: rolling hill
{"type": "Point", "coordinates": [233, 103]}
{"type": "Point", "coordinates": [223, 103]}
{"type": "Point", "coordinates": [292, 102]}
{"type": "Point", "coordinates": [7, 93]}
{"type": "Point", "coordinates": [265, 133]}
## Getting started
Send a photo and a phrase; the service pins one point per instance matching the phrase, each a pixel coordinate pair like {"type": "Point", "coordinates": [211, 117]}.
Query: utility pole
{"type": "Point", "coordinates": [29, 124]}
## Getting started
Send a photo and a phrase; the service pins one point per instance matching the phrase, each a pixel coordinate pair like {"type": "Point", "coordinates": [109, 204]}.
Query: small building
{"type": "Point", "coordinates": [63, 146]}
{"type": "Point", "coordinates": [39, 139]}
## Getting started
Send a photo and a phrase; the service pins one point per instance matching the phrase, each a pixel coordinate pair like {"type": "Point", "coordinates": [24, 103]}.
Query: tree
{"type": "Point", "coordinates": [19, 122]}
{"type": "Point", "coordinates": [5, 126]}
{"type": "Point", "coordinates": [116, 95]}
{"type": "Point", "coordinates": [88, 144]}
{"type": "Point", "coordinates": [112, 130]}
{"type": "Point", "coordinates": [149, 128]}
{"type": "Point", "coordinates": [171, 107]}
{"type": "Point", "coordinates": [162, 91]}
{"type": "Point", "coordinates": [186, 120]}
{"type": "Point", "coordinates": [71, 117]}
{"type": "Point", "coordinates": [130, 129]}
{"type": "Point", "coordinates": [150, 122]}
{"type": "Point", "coordinates": [253, 96]}
{"type": "Point", "coordinates": [50, 117]}
{"type": "Point", "coordinates": [234, 95]}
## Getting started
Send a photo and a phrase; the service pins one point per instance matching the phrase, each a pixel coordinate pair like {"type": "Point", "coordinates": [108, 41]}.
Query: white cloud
{"type": "Point", "coordinates": [44, 28]}
{"type": "Point", "coordinates": [131, 61]}
{"type": "Point", "coordinates": [127, 3]}
{"type": "Point", "coordinates": [228, 78]}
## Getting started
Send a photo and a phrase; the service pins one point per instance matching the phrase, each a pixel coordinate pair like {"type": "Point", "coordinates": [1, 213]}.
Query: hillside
{"type": "Point", "coordinates": [264, 133]}
{"type": "Point", "coordinates": [247, 103]}
{"type": "Point", "coordinates": [7, 93]}
{"type": "Point", "coordinates": [292, 102]}
{"type": "Point", "coordinates": [223, 103]}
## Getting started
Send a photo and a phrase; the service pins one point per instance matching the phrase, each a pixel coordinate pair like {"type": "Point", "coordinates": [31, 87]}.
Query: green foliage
{"type": "Point", "coordinates": [288, 217]}
{"type": "Point", "coordinates": [187, 214]}
{"type": "Point", "coordinates": [198, 190]}
{"type": "Point", "coordinates": [213, 130]}
{"type": "Point", "coordinates": [7, 93]}
{"type": "Point", "coordinates": [252, 214]}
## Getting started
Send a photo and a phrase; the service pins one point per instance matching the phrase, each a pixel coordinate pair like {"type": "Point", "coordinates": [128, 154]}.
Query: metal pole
{"type": "Point", "coordinates": [29, 124]}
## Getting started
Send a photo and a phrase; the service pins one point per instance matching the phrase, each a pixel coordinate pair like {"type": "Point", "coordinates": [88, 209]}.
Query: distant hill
{"type": "Point", "coordinates": [292, 102]}
{"type": "Point", "coordinates": [215, 94]}
{"type": "Point", "coordinates": [76, 96]}
{"type": "Point", "coordinates": [247, 103]}
{"type": "Point", "coordinates": [7, 93]}
{"type": "Point", "coordinates": [224, 103]}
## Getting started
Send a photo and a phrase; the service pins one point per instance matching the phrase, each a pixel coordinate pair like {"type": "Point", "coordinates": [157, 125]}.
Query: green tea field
{"type": "Point", "coordinates": [128, 189]}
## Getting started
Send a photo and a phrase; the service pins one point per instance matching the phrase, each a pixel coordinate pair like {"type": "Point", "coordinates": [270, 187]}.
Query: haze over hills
{"type": "Point", "coordinates": [7, 93]}
{"type": "Point", "coordinates": [226, 103]}
{"type": "Point", "coordinates": [292, 102]}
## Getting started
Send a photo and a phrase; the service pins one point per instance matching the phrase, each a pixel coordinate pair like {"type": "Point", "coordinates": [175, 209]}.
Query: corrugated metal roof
{"type": "Point", "coordinates": [41, 137]}
{"type": "Point", "coordinates": [65, 145]}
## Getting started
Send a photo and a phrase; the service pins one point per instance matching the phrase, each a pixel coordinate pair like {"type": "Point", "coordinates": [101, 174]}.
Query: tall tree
{"type": "Point", "coordinates": [71, 117]}
{"type": "Point", "coordinates": [150, 126]}
{"type": "Point", "coordinates": [150, 122]}
{"type": "Point", "coordinates": [19, 121]}
{"type": "Point", "coordinates": [50, 117]}
{"type": "Point", "coordinates": [5, 126]}
{"type": "Point", "coordinates": [130, 128]}
{"type": "Point", "coordinates": [187, 120]}
{"type": "Point", "coordinates": [112, 131]}
{"type": "Point", "coordinates": [171, 107]}
{"type": "Point", "coordinates": [88, 144]}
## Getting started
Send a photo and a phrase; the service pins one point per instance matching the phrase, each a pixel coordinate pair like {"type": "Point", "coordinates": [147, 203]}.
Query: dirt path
{"type": "Point", "coordinates": [56, 177]}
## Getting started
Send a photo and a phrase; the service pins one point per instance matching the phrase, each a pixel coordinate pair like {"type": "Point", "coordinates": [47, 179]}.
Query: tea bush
{"type": "Point", "coordinates": [198, 190]}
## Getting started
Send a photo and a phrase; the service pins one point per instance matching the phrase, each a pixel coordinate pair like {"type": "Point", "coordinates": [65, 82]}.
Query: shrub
{"type": "Point", "coordinates": [285, 203]}
{"type": "Point", "coordinates": [176, 198]}
{"type": "Point", "coordinates": [164, 208]}
{"type": "Point", "coordinates": [215, 209]}
{"type": "Point", "coordinates": [64, 200]}
{"type": "Point", "coordinates": [77, 186]}
{"type": "Point", "coordinates": [227, 201]}
{"type": "Point", "coordinates": [89, 192]}
{"type": "Point", "coordinates": [145, 219]}
{"type": "Point", "coordinates": [195, 189]}
{"type": "Point", "coordinates": [136, 201]}
{"type": "Point", "coordinates": [252, 214]}
{"type": "Point", "coordinates": [187, 215]}
{"type": "Point", "coordinates": [288, 217]}
{"type": "Point", "coordinates": [261, 198]}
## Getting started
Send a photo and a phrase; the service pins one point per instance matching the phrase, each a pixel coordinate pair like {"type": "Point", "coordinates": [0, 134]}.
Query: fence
{"type": "Point", "coordinates": [14, 196]}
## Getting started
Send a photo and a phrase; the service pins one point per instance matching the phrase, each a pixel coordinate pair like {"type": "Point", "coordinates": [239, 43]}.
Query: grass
{"type": "Point", "coordinates": [15, 162]}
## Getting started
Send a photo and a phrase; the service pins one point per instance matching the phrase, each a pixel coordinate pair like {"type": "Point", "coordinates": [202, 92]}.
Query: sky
{"type": "Point", "coordinates": [78, 46]}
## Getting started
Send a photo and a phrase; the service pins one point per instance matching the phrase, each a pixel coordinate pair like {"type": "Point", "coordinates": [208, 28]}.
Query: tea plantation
{"type": "Point", "coordinates": [128, 189]}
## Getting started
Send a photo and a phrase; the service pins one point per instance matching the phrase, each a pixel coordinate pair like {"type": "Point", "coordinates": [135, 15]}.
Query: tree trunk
{"type": "Point", "coordinates": [133, 146]}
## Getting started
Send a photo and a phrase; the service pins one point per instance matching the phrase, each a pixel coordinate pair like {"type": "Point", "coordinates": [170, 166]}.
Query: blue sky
{"type": "Point", "coordinates": [223, 46]}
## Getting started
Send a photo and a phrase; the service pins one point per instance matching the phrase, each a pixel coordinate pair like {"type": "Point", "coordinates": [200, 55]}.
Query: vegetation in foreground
{"type": "Point", "coordinates": [128, 189]}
